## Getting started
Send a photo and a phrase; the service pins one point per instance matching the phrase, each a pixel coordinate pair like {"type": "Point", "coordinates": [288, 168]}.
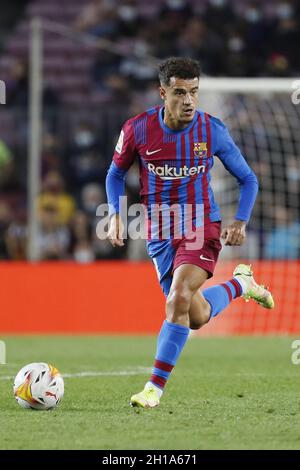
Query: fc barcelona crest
{"type": "Point", "coordinates": [200, 149]}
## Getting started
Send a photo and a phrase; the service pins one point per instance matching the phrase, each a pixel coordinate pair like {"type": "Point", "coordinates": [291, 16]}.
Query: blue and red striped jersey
{"type": "Point", "coordinates": [175, 165]}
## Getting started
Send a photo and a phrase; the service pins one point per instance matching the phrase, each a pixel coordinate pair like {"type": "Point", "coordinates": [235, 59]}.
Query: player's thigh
{"type": "Point", "coordinates": [162, 255]}
{"type": "Point", "coordinates": [188, 277]}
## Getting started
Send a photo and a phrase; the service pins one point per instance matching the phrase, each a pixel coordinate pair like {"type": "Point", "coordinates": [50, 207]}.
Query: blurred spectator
{"type": "Point", "coordinates": [236, 60]}
{"type": "Point", "coordinates": [199, 42]}
{"type": "Point", "coordinates": [256, 32]}
{"type": "Point", "coordinates": [53, 195]}
{"type": "Point", "coordinates": [10, 175]}
{"type": "Point", "coordinates": [136, 107]}
{"type": "Point", "coordinates": [17, 85]}
{"type": "Point", "coordinates": [17, 88]}
{"type": "Point", "coordinates": [150, 95]}
{"type": "Point", "coordinates": [102, 247]}
{"type": "Point", "coordinates": [219, 16]}
{"type": "Point", "coordinates": [16, 236]}
{"type": "Point", "coordinates": [51, 153]}
{"type": "Point", "coordinates": [172, 20]}
{"type": "Point", "coordinates": [137, 66]}
{"type": "Point", "coordinates": [293, 177]}
{"type": "Point", "coordinates": [104, 250]}
{"type": "Point", "coordinates": [284, 241]}
{"type": "Point", "coordinates": [286, 34]}
{"type": "Point", "coordinates": [278, 65]}
{"type": "Point", "coordinates": [17, 97]}
{"type": "Point", "coordinates": [53, 237]}
{"type": "Point", "coordinates": [105, 65]}
{"type": "Point", "coordinates": [81, 238]}
{"type": "Point", "coordinates": [92, 195]}
{"type": "Point", "coordinates": [129, 18]}
{"type": "Point", "coordinates": [6, 164]}
{"type": "Point", "coordinates": [5, 219]}
{"type": "Point", "coordinates": [84, 161]}
{"type": "Point", "coordinates": [98, 18]}
{"type": "Point", "coordinates": [136, 250]}
{"type": "Point", "coordinates": [118, 90]}
{"type": "Point", "coordinates": [176, 11]}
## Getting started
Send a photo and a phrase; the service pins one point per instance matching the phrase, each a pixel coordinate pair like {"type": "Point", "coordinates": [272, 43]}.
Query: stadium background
{"type": "Point", "coordinates": [98, 70]}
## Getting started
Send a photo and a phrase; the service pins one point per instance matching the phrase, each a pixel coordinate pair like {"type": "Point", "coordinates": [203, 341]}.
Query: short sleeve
{"type": "Point", "coordinates": [125, 150]}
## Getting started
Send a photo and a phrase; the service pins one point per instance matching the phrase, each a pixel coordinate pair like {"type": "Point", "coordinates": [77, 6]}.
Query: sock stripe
{"type": "Point", "coordinates": [163, 366]}
{"type": "Point", "coordinates": [171, 340]}
{"type": "Point", "coordinates": [157, 380]}
{"type": "Point", "coordinates": [237, 287]}
{"type": "Point", "coordinates": [227, 288]}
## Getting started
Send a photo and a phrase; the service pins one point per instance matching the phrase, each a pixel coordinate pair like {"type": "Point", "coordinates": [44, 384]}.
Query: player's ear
{"type": "Point", "coordinates": [162, 93]}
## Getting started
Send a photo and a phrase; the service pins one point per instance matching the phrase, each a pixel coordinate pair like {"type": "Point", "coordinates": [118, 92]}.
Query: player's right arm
{"type": "Point", "coordinates": [123, 158]}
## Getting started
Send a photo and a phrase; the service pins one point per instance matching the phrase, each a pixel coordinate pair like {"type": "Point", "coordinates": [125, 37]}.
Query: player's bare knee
{"type": "Point", "coordinates": [179, 299]}
{"type": "Point", "coordinates": [178, 303]}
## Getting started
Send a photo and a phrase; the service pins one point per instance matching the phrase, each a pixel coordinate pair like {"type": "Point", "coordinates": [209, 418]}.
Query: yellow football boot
{"type": "Point", "coordinates": [251, 289]}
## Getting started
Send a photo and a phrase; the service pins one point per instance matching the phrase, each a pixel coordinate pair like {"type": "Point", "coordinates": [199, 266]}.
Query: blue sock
{"type": "Point", "coordinates": [170, 343]}
{"type": "Point", "coordinates": [221, 295]}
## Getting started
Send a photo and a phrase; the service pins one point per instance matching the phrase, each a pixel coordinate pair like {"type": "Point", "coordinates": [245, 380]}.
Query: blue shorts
{"type": "Point", "coordinates": [167, 255]}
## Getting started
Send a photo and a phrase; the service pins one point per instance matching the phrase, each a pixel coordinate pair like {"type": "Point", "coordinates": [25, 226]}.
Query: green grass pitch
{"type": "Point", "coordinates": [225, 393]}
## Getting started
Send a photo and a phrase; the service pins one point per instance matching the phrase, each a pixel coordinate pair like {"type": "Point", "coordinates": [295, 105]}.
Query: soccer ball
{"type": "Point", "coordinates": [39, 386]}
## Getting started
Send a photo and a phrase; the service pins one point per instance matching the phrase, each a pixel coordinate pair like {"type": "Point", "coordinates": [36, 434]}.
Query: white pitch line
{"type": "Point", "coordinates": [139, 371]}
{"type": "Point", "coordinates": [109, 374]}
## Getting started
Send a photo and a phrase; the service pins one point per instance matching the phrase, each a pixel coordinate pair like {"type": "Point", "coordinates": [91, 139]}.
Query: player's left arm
{"type": "Point", "coordinates": [232, 159]}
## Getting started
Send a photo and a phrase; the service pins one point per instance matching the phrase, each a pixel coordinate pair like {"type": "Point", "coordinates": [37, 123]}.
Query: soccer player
{"type": "Point", "coordinates": [175, 145]}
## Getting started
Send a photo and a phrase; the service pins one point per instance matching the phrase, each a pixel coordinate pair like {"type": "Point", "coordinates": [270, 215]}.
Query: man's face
{"type": "Point", "coordinates": [181, 98]}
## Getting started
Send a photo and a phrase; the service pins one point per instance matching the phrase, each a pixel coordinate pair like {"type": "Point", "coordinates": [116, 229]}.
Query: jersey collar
{"type": "Point", "coordinates": [172, 131]}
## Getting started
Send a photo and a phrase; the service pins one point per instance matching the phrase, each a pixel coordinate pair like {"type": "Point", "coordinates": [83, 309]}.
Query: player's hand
{"type": "Point", "coordinates": [234, 234]}
{"type": "Point", "coordinates": [115, 231]}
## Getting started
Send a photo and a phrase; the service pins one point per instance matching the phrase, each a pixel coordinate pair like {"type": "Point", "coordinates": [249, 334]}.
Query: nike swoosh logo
{"type": "Point", "coordinates": [153, 151]}
{"type": "Point", "coordinates": [205, 259]}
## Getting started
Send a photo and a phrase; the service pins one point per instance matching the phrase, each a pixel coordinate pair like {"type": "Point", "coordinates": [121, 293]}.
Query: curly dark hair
{"type": "Point", "coordinates": [179, 67]}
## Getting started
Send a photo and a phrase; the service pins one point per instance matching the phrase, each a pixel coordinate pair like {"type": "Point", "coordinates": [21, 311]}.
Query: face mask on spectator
{"type": "Point", "coordinates": [83, 255]}
{"type": "Point", "coordinates": [252, 15]}
{"type": "Point", "coordinates": [54, 187]}
{"type": "Point", "coordinates": [91, 206]}
{"type": "Point", "coordinates": [235, 44]}
{"type": "Point", "coordinates": [284, 11]}
{"type": "Point", "coordinates": [293, 174]}
{"type": "Point", "coordinates": [176, 4]}
{"type": "Point", "coordinates": [84, 138]}
{"type": "Point", "coordinates": [217, 3]}
{"type": "Point", "coordinates": [127, 13]}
